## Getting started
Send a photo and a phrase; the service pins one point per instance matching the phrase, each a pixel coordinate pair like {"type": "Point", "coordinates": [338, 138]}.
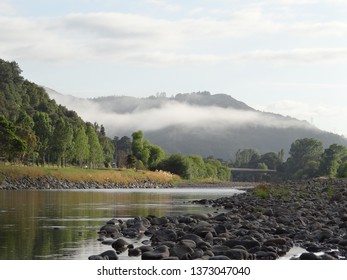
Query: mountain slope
{"type": "Point", "coordinates": [197, 123]}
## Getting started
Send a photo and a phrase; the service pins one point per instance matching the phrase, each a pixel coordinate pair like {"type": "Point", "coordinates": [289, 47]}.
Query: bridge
{"type": "Point", "coordinates": [253, 170]}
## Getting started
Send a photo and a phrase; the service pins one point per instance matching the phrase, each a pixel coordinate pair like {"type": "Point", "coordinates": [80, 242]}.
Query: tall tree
{"type": "Point", "coordinates": [11, 145]}
{"type": "Point", "coordinates": [305, 155]}
{"type": "Point", "coordinates": [62, 141]}
{"type": "Point", "coordinates": [43, 129]}
{"type": "Point", "coordinates": [122, 150]}
{"type": "Point", "coordinates": [332, 158]}
{"type": "Point", "coordinates": [96, 157]}
{"type": "Point", "coordinates": [246, 158]}
{"type": "Point", "coordinates": [81, 146]}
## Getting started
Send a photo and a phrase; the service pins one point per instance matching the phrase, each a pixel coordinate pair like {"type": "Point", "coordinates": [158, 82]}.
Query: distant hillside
{"type": "Point", "coordinates": [197, 123]}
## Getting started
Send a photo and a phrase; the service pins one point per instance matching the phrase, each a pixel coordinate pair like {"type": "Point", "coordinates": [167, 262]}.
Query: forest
{"type": "Point", "coordinates": [35, 130]}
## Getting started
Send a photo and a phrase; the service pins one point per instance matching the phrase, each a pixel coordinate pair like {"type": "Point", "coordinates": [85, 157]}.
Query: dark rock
{"type": "Point", "coordinates": [308, 256]}
{"type": "Point", "coordinates": [164, 235]}
{"type": "Point", "coordinates": [248, 244]}
{"type": "Point", "coordinates": [158, 253]}
{"type": "Point", "coordinates": [219, 258]}
{"type": "Point", "coordinates": [96, 258]}
{"type": "Point", "coordinates": [261, 255]}
{"type": "Point", "coordinates": [120, 245]}
{"type": "Point", "coordinates": [134, 252]}
{"type": "Point", "coordinates": [237, 254]}
{"type": "Point", "coordinates": [109, 255]}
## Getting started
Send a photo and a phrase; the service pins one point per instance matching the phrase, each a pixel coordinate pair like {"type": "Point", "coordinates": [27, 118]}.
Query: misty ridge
{"type": "Point", "coordinates": [122, 115]}
{"type": "Point", "coordinates": [199, 123]}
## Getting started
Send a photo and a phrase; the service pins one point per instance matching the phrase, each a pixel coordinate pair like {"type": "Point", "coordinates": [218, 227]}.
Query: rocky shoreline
{"type": "Point", "coordinates": [50, 182]}
{"type": "Point", "coordinates": [264, 223]}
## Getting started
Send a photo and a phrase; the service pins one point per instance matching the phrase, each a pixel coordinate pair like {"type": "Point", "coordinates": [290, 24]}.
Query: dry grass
{"type": "Point", "coordinates": [120, 176]}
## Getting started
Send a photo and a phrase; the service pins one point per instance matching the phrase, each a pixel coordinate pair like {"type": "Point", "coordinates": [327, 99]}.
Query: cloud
{"type": "Point", "coordinates": [126, 37]}
{"type": "Point", "coordinates": [6, 8]}
{"type": "Point", "coordinates": [170, 113]}
{"type": "Point", "coordinates": [329, 117]}
{"type": "Point", "coordinates": [165, 5]}
{"type": "Point", "coordinates": [300, 55]}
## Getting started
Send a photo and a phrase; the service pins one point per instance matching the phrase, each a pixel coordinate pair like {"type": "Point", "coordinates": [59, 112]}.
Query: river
{"type": "Point", "coordinates": [56, 224]}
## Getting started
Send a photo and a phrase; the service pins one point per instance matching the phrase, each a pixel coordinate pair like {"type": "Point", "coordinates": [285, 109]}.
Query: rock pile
{"type": "Point", "coordinates": [261, 224]}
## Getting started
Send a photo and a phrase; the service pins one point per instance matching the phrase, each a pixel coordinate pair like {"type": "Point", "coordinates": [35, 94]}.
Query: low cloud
{"type": "Point", "coordinates": [329, 117]}
{"type": "Point", "coordinates": [172, 113]}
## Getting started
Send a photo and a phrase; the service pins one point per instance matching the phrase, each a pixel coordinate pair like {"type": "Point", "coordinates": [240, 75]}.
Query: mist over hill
{"type": "Point", "coordinates": [196, 123]}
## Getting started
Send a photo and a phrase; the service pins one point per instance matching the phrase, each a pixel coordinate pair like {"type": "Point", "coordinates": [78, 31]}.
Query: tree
{"type": "Point", "coordinates": [131, 161]}
{"type": "Point", "coordinates": [305, 155]}
{"type": "Point", "coordinates": [10, 144]}
{"type": "Point", "coordinates": [216, 170]}
{"type": "Point", "coordinates": [342, 171]}
{"type": "Point", "coordinates": [246, 158]}
{"type": "Point", "coordinates": [176, 164]}
{"type": "Point", "coordinates": [62, 141]}
{"type": "Point", "coordinates": [96, 157]}
{"type": "Point", "coordinates": [122, 150]}
{"type": "Point", "coordinates": [197, 166]}
{"type": "Point", "coordinates": [137, 144]}
{"type": "Point", "coordinates": [81, 146]}
{"type": "Point", "coordinates": [156, 154]}
{"type": "Point", "coordinates": [43, 129]}
{"type": "Point", "coordinates": [107, 147]}
{"type": "Point", "coordinates": [332, 158]}
{"type": "Point", "coordinates": [272, 160]}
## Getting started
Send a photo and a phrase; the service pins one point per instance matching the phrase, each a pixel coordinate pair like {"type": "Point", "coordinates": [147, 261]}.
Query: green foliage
{"type": "Point", "coordinates": [149, 154]}
{"type": "Point", "coordinates": [176, 164]}
{"type": "Point", "coordinates": [331, 160]}
{"type": "Point", "coordinates": [342, 171]}
{"type": "Point", "coordinates": [41, 130]}
{"type": "Point", "coordinates": [96, 156]}
{"type": "Point", "coordinates": [122, 150]}
{"type": "Point", "coordinates": [156, 154]}
{"type": "Point", "coordinates": [131, 161]}
{"type": "Point", "coordinates": [305, 156]}
{"type": "Point", "coordinates": [11, 144]}
{"type": "Point", "coordinates": [246, 158]}
{"type": "Point", "coordinates": [194, 167]}
{"type": "Point", "coordinates": [81, 146]}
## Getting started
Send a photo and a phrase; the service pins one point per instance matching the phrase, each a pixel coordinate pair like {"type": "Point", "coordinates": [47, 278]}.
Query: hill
{"type": "Point", "coordinates": [197, 123]}
{"type": "Point", "coordinates": [35, 129]}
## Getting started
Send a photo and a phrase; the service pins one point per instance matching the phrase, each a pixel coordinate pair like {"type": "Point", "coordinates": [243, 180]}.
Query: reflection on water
{"type": "Point", "coordinates": [59, 224]}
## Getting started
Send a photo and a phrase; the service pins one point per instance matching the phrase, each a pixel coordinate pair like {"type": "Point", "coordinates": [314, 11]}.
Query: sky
{"type": "Point", "coordinates": [282, 56]}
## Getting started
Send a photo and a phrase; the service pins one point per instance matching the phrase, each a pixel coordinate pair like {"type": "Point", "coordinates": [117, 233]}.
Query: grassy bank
{"type": "Point", "coordinates": [121, 176]}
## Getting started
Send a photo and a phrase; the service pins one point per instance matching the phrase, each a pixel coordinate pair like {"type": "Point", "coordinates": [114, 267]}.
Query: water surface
{"type": "Point", "coordinates": [56, 224]}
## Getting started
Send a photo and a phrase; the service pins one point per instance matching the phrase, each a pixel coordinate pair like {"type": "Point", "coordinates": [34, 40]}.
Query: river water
{"type": "Point", "coordinates": [56, 224]}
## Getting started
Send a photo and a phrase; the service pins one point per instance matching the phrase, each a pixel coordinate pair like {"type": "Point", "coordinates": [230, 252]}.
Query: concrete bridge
{"type": "Point", "coordinates": [253, 170]}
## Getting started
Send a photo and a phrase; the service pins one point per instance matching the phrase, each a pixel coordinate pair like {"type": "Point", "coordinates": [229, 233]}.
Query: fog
{"type": "Point", "coordinates": [168, 113]}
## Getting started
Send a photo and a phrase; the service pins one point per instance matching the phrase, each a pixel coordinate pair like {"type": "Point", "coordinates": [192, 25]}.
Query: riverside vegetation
{"type": "Point", "coordinates": [262, 224]}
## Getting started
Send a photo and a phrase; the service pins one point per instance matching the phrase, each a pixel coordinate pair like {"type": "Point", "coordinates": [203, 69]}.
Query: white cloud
{"type": "Point", "coordinates": [6, 8]}
{"type": "Point", "coordinates": [144, 39]}
{"type": "Point", "coordinates": [165, 5]}
{"type": "Point", "coordinates": [302, 55]}
{"type": "Point", "coordinates": [309, 2]}
{"type": "Point", "coordinates": [326, 117]}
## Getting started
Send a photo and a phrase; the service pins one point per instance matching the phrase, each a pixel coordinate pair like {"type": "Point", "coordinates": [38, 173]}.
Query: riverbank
{"type": "Point", "coordinates": [264, 223]}
{"type": "Point", "coordinates": [39, 178]}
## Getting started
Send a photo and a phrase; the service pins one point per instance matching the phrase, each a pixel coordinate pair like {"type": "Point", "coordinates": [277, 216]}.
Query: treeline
{"type": "Point", "coordinates": [307, 159]}
{"type": "Point", "coordinates": [36, 130]}
{"type": "Point", "coordinates": [145, 155]}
